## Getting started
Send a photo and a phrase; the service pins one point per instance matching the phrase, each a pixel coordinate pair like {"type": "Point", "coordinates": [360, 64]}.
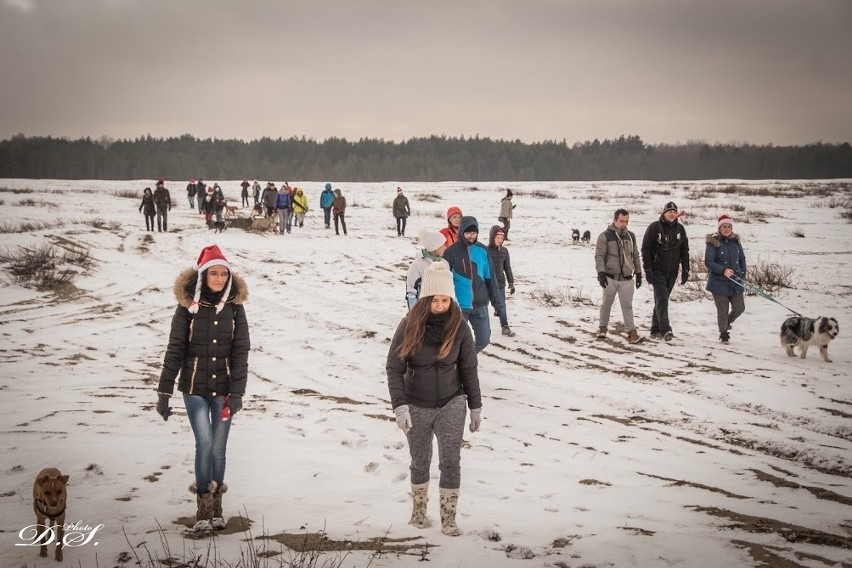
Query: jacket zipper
{"type": "Point", "coordinates": [192, 379]}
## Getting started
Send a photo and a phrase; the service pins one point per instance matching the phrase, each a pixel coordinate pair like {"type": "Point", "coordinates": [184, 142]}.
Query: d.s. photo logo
{"type": "Point", "coordinates": [68, 535]}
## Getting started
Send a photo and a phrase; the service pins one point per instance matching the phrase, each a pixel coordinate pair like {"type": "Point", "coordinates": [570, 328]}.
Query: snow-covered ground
{"type": "Point", "coordinates": [591, 453]}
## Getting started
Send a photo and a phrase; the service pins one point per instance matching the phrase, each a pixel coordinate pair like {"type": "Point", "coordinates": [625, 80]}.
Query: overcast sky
{"type": "Point", "coordinates": [759, 71]}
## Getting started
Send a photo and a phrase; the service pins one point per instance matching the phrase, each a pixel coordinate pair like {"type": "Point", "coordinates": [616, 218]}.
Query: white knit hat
{"type": "Point", "coordinates": [431, 240]}
{"type": "Point", "coordinates": [210, 256]}
{"type": "Point", "coordinates": [438, 280]}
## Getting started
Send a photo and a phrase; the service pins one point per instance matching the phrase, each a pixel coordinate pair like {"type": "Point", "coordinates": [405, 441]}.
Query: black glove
{"type": "Point", "coordinates": [602, 279]}
{"type": "Point", "coordinates": [638, 276]}
{"type": "Point", "coordinates": [649, 277]}
{"type": "Point", "coordinates": [235, 403]}
{"type": "Point", "coordinates": [511, 288]}
{"type": "Point", "coordinates": [163, 408]}
{"type": "Point", "coordinates": [684, 277]}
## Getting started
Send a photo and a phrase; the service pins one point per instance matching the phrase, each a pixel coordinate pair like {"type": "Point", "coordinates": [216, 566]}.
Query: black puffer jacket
{"type": "Point", "coordinates": [500, 261]}
{"type": "Point", "coordinates": [665, 248]}
{"type": "Point", "coordinates": [209, 351]}
{"type": "Point", "coordinates": [428, 382]}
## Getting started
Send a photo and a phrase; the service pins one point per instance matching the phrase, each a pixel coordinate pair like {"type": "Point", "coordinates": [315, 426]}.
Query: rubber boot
{"type": "Point", "coordinates": [449, 501]}
{"type": "Point", "coordinates": [419, 499]}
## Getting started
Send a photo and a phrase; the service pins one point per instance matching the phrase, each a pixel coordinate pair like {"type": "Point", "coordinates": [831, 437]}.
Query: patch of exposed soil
{"type": "Point", "coordinates": [320, 542]}
{"type": "Point", "coordinates": [818, 492]}
{"type": "Point", "coordinates": [682, 482]}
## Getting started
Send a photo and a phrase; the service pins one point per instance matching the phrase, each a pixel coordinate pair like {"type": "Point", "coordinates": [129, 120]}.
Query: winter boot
{"type": "Point", "coordinates": [724, 337]}
{"type": "Point", "coordinates": [204, 514]}
{"type": "Point", "coordinates": [668, 336]}
{"type": "Point", "coordinates": [218, 521]}
{"type": "Point", "coordinates": [449, 502]}
{"type": "Point", "coordinates": [419, 498]}
{"type": "Point", "coordinates": [601, 332]}
{"type": "Point", "coordinates": [633, 337]}
{"type": "Point", "coordinates": [507, 331]}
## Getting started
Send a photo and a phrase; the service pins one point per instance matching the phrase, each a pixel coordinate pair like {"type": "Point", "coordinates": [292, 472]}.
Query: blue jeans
{"type": "Point", "coordinates": [479, 321]}
{"type": "Point", "coordinates": [211, 438]}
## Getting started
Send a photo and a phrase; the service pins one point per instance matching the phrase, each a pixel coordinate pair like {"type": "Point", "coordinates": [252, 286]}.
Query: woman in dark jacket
{"type": "Point", "coordinates": [431, 368]}
{"type": "Point", "coordinates": [208, 350]}
{"type": "Point", "coordinates": [724, 257]}
{"type": "Point", "coordinates": [147, 208]}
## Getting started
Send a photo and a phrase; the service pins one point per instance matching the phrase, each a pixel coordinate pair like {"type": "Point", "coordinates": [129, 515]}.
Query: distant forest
{"type": "Point", "coordinates": [436, 158]}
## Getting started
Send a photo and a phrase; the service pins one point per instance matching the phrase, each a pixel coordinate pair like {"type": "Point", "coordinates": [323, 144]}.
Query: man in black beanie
{"type": "Point", "coordinates": [665, 249]}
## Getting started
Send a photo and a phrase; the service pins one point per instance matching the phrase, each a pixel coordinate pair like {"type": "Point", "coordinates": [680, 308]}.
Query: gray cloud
{"type": "Point", "coordinates": [668, 70]}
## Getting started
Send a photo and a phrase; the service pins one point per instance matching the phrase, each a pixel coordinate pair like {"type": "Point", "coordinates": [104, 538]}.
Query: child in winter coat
{"type": "Point", "coordinates": [502, 267]}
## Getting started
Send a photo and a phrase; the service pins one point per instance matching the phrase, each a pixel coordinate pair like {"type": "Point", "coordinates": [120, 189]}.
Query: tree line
{"type": "Point", "coordinates": [426, 159]}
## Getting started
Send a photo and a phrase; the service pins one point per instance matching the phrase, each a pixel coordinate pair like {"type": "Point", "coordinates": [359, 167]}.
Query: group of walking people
{"type": "Point", "coordinates": [665, 259]}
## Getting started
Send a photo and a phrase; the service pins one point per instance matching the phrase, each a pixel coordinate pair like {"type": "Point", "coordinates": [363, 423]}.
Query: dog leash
{"type": "Point", "coordinates": [757, 290]}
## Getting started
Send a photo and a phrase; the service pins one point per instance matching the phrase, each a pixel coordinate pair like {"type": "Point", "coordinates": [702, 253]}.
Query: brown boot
{"type": "Point", "coordinates": [204, 502]}
{"type": "Point", "coordinates": [449, 503]}
{"type": "Point", "coordinates": [419, 499]}
{"type": "Point", "coordinates": [633, 337]}
{"type": "Point", "coordinates": [601, 332]}
{"type": "Point", "coordinates": [218, 521]}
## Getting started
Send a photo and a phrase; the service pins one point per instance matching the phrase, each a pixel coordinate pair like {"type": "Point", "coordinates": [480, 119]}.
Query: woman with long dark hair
{"type": "Point", "coordinates": [432, 379]}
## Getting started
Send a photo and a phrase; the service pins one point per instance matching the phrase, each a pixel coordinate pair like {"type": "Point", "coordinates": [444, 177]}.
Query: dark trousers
{"type": "Point", "coordinates": [326, 215]}
{"type": "Point", "coordinates": [162, 218]}
{"type": "Point", "coordinates": [149, 222]}
{"type": "Point", "coordinates": [400, 226]}
{"type": "Point", "coordinates": [245, 201]}
{"type": "Point", "coordinates": [664, 283]}
{"type": "Point", "coordinates": [478, 320]}
{"type": "Point", "coordinates": [342, 222]}
{"type": "Point", "coordinates": [506, 222]}
{"type": "Point", "coordinates": [736, 303]}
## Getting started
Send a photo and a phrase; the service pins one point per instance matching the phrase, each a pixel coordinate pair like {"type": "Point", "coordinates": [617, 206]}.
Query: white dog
{"type": "Point", "coordinates": [805, 332]}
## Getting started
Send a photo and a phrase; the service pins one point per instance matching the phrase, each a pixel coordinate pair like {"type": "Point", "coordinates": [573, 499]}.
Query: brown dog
{"type": "Point", "coordinates": [49, 500]}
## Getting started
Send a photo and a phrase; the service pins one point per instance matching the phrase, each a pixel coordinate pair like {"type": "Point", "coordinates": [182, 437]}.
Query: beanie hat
{"type": "Point", "coordinates": [437, 280]}
{"type": "Point", "coordinates": [209, 190]}
{"type": "Point", "coordinates": [670, 206]}
{"type": "Point", "coordinates": [509, 193]}
{"type": "Point", "coordinates": [210, 256]}
{"type": "Point", "coordinates": [328, 186]}
{"type": "Point", "coordinates": [398, 190]}
{"type": "Point", "coordinates": [724, 219]}
{"type": "Point", "coordinates": [431, 240]}
{"type": "Point", "coordinates": [452, 211]}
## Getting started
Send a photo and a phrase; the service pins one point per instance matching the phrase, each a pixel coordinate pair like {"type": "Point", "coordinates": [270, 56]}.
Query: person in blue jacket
{"type": "Point", "coordinates": [724, 257]}
{"type": "Point", "coordinates": [326, 200]}
{"type": "Point", "coordinates": [474, 280]}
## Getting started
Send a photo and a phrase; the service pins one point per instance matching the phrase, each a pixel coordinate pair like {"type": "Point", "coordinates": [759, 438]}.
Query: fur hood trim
{"type": "Point", "coordinates": [184, 286]}
{"type": "Point", "coordinates": [714, 239]}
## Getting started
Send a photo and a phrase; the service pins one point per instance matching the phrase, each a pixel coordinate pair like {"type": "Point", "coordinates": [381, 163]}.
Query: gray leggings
{"type": "Point", "coordinates": [723, 318]}
{"type": "Point", "coordinates": [446, 424]}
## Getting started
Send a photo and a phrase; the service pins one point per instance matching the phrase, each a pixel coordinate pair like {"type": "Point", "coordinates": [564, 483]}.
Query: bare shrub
{"type": "Point", "coordinates": [560, 296]}
{"type": "Point", "coordinates": [771, 276]}
{"type": "Point", "coordinates": [734, 207]}
{"type": "Point", "coordinates": [834, 203]}
{"type": "Point", "coordinates": [14, 190]}
{"type": "Point", "coordinates": [29, 202]}
{"type": "Point", "coordinates": [27, 226]}
{"type": "Point", "coordinates": [797, 232]}
{"type": "Point", "coordinates": [102, 224]}
{"type": "Point", "coordinates": [701, 193]}
{"type": "Point", "coordinates": [658, 191]}
{"type": "Point", "coordinates": [45, 267]}
{"type": "Point", "coordinates": [429, 197]}
{"type": "Point", "coordinates": [847, 215]}
{"type": "Point", "coordinates": [128, 193]}
{"type": "Point", "coordinates": [471, 188]}
{"type": "Point", "coordinates": [542, 194]}
{"type": "Point", "coordinates": [756, 216]}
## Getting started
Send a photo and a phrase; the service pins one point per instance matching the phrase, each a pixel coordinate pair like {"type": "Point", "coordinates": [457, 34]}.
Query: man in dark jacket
{"type": "Point", "coordinates": [163, 202]}
{"type": "Point", "coordinates": [665, 248]}
{"type": "Point", "coordinates": [502, 266]}
{"type": "Point", "coordinates": [474, 281]}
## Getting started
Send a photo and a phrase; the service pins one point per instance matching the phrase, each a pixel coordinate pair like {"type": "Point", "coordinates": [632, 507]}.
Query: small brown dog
{"type": "Point", "coordinates": [49, 500]}
{"type": "Point", "coordinates": [231, 210]}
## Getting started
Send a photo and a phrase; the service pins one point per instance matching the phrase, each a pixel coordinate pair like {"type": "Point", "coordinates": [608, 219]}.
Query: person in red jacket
{"type": "Point", "coordinates": [451, 231]}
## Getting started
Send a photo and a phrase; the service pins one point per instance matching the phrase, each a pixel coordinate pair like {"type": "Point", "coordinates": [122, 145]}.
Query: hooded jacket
{"type": "Point", "coordinates": [506, 208]}
{"type": "Point", "coordinates": [721, 253]}
{"type": "Point", "coordinates": [207, 352]}
{"type": "Point", "coordinates": [326, 198]}
{"type": "Point", "coordinates": [428, 382]}
{"type": "Point", "coordinates": [500, 262]}
{"type": "Point", "coordinates": [400, 206]}
{"type": "Point", "coordinates": [665, 248]}
{"type": "Point", "coordinates": [473, 276]}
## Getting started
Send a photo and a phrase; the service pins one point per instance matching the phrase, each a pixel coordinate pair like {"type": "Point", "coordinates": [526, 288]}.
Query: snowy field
{"type": "Point", "coordinates": [592, 453]}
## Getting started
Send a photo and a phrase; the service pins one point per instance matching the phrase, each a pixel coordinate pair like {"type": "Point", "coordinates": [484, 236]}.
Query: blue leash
{"type": "Point", "coordinates": [758, 291]}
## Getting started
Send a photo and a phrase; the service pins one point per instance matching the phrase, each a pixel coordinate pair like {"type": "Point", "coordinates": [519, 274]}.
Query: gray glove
{"type": "Point", "coordinates": [403, 418]}
{"type": "Point", "coordinates": [163, 408]}
{"type": "Point", "coordinates": [475, 419]}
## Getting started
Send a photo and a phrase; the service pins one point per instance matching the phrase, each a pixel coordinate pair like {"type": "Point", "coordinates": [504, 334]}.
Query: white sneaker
{"type": "Point", "coordinates": [202, 526]}
{"type": "Point", "coordinates": [218, 523]}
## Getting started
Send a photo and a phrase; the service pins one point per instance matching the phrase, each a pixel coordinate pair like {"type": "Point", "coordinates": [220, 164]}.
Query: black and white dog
{"type": "Point", "coordinates": [587, 236]}
{"type": "Point", "coordinates": [575, 235]}
{"type": "Point", "coordinates": [218, 226]}
{"type": "Point", "coordinates": [805, 332]}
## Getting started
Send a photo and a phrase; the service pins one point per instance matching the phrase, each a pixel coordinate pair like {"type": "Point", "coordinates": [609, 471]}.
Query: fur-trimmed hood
{"type": "Point", "coordinates": [184, 288]}
{"type": "Point", "coordinates": [715, 240]}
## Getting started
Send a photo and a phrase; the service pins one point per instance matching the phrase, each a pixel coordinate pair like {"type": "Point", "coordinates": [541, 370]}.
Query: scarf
{"type": "Point", "coordinates": [434, 334]}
